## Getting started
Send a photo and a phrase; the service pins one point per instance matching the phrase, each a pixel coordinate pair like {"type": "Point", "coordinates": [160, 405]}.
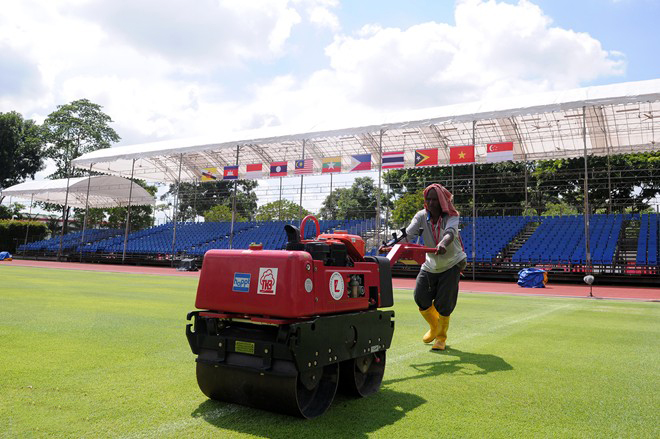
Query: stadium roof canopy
{"type": "Point", "coordinates": [104, 191]}
{"type": "Point", "coordinates": [619, 118]}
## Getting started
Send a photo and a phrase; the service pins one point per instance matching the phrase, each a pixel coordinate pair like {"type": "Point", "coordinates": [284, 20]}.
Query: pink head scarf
{"type": "Point", "coordinates": [444, 196]}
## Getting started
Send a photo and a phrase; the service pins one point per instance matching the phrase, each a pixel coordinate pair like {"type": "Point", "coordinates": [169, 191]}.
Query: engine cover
{"type": "Point", "coordinates": [287, 284]}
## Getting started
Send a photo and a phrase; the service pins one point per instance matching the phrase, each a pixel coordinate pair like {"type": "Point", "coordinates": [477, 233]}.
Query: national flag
{"type": "Point", "coordinates": [461, 154]}
{"type": "Point", "coordinates": [392, 160]}
{"type": "Point", "coordinates": [304, 166]}
{"type": "Point", "coordinates": [231, 172]}
{"type": "Point", "coordinates": [254, 171]}
{"type": "Point", "coordinates": [426, 157]}
{"type": "Point", "coordinates": [209, 174]}
{"type": "Point", "coordinates": [331, 164]}
{"type": "Point", "coordinates": [278, 169]}
{"type": "Point", "coordinates": [360, 162]}
{"type": "Point", "coordinates": [499, 152]}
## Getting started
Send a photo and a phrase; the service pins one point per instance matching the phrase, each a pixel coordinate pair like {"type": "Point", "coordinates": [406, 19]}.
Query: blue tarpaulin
{"type": "Point", "coordinates": [531, 278]}
{"type": "Point", "coordinates": [5, 255]}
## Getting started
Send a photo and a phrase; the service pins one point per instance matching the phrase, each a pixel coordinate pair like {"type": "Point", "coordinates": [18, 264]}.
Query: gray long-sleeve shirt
{"type": "Point", "coordinates": [437, 263]}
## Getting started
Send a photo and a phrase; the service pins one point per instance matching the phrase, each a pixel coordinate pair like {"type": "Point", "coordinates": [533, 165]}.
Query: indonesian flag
{"type": "Point", "coordinates": [461, 154]}
{"type": "Point", "coordinates": [499, 152]}
{"type": "Point", "coordinates": [254, 171]}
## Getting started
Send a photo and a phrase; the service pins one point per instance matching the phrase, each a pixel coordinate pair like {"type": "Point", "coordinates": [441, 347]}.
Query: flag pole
{"type": "Point", "coordinates": [301, 185]}
{"type": "Point", "coordinates": [474, 202]}
{"type": "Point", "coordinates": [233, 203]}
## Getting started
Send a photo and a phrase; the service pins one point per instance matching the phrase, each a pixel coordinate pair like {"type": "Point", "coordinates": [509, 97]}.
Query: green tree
{"type": "Point", "coordinates": [221, 212]}
{"type": "Point", "coordinates": [73, 130]}
{"type": "Point", "coordinates": [280, 209]}
{"type": "Point", "coordinates": [21, 149]}
{"type": "Point", "coordinates": [356, 202]}
{"type": "Point", "coordinates": [11, 211]}
{"type": "Point", "coordinates": [406, 207]}
{"type": "Point", "coordinates": [194, 199]}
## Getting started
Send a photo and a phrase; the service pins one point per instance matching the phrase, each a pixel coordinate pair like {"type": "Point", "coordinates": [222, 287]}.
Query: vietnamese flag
{"type": "Point", "coordinates": [461, 154]}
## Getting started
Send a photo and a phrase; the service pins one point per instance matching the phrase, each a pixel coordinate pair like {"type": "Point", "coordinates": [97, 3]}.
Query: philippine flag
{"type": "Point", "coordinates": [393, 160]}
{"type": "Point", "coordinates": [278, 169]}
{"type": "Point", "coordinates": [360, 162]}
{"type": "Point", "coordinates": [254, 171]}
{"type": "Point", "coordinates": [499, 152]}
{"type": "Point", "coordinates": [231, 172]}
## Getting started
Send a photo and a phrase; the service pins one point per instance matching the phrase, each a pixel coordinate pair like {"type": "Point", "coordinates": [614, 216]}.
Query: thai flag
{"type": "Point", "coordinates": [360, 162]}
{"type": "Point", "coordinates": [231, 172]}
{"type": "Point", "coordinates": [393, 160]}
{"type": "Point", "coordinates": [254, 171]}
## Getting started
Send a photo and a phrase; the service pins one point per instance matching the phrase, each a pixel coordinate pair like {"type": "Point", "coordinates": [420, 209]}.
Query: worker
{"type": "Point", "coordinates": [436, 288]}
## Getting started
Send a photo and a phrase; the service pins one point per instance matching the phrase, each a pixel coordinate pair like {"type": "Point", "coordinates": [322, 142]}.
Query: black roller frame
{"type": "Point", "coordinates": [309, 344]}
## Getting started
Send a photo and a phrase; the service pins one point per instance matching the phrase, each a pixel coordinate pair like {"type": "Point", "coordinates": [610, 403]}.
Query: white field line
{"type": "Point", "coordinates": [169, 428]}
{"type": "Point", "coordinates": [491, 329]}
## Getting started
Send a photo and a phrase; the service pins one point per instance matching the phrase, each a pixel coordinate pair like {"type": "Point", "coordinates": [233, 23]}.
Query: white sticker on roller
{"type": "Point", "coordinates": [336, 285]}
{"type": "Point", "coordinates": [267, 281]}
{"type": "Point", "coordinates": [309, 285]}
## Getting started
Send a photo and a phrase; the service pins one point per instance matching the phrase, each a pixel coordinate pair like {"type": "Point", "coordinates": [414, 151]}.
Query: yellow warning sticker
{"type": "Point", "coordinates": [244, 347]}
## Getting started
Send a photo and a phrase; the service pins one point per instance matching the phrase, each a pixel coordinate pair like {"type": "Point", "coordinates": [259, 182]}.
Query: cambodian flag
{"type": "Point", "coordinates": [231, 172]}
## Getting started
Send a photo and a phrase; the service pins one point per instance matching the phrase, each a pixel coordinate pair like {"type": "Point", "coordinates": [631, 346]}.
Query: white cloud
{"type": "Point", "coordinates": [167, 69]}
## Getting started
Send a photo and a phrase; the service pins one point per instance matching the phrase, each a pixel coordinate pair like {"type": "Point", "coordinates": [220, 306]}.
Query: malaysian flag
{"type": "Point", "coordinates": [393, 160]}
{"type": "Point", "coordinates": [304, 166]}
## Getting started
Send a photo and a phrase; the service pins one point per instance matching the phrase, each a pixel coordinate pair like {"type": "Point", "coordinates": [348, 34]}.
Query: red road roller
{"type": "Point", "coordinates": [283, 330]}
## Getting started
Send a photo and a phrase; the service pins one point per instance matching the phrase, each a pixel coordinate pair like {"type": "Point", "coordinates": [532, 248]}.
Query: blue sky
{"type": "Point", "coordinates": [167, 69]}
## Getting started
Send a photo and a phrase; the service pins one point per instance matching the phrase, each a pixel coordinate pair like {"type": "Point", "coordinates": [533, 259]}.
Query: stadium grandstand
{"type": "Point", "coordinates": [617, 237]}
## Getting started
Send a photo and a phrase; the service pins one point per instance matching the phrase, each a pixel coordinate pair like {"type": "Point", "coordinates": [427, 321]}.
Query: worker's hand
{"type": "Point", "coordinates": [440, 249]}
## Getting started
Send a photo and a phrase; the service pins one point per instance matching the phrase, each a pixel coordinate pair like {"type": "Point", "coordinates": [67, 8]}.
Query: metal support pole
{"type": "Point", "coordinates": [66, 202]}
{"type": "Point", "coordinates": [128, 212]}
{"type": "Point", "coordinates": [301, 188]}
{"type": "Point", "coordinates": [380, 172]}
{"type": "Point", "coordinates": [474, 204]}
{"type": "Point", "coordinates": [279, 215]}
{"type": "Point", "coordinates": [233, 204]}
{"type": "Point", "coordinates": [176, 208]}
{"type": "Point", "coordinates": [82, 238]}
{"type": "Point", "coordinates": [586, 192]}
{"type": "Point", "coordinates": [526, 183]}
{"type": "Point", "coordinates": [27, 228]}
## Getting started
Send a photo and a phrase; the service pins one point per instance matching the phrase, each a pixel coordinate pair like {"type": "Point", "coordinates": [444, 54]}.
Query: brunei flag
{"type": "Point", "coordinates": [331, 164]}
{"type": "Point", "coordinates": [209, 174]}
{"type": "Point", "coordinates": [426, 157]}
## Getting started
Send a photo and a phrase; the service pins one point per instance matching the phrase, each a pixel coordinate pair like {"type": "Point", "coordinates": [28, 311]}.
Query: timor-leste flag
{"type": "Point", "coordinates": [426, 157]}
{"type": "Point", "coordinates": [461, 154]}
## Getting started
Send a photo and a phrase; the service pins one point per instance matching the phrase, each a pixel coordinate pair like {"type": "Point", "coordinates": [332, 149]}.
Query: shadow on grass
{"type": "Point", "coordinates": [454, 361]}
{"type": "Point", "coordinates": [346, 417]}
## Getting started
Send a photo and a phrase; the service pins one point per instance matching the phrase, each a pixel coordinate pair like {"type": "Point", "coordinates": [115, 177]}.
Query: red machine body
{"type": "Point", "coordinates": [284, 284]}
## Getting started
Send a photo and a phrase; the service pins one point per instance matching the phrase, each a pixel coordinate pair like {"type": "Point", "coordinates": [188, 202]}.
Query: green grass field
{"type": "Point", "coordinates": [91, 354]}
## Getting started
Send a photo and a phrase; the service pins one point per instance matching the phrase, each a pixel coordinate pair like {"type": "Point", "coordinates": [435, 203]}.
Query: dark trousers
{"type": "Point", "coordinates": [439, 289]}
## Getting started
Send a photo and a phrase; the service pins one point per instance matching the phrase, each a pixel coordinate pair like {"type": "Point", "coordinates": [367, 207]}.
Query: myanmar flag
{"type": "Point", "coordinates": [331, 164]}
{"type": "Point", "coordinates": [461, 154]}
{"type": "Point", "coordinates": [426, 157]}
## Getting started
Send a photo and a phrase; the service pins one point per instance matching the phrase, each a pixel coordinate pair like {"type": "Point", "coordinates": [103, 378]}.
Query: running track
{"type": "Point", "coordinates": [466, 286]}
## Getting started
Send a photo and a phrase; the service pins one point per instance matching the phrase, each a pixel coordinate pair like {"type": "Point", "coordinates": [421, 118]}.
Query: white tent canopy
{"type": "Point", "coordinates": [104, 191]}
{"type": "Point", "coordinates": [619, 118]}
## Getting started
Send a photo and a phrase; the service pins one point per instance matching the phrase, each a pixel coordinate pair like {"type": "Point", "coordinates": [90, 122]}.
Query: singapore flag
{"type": "Point", "coordinates": [499, 152]}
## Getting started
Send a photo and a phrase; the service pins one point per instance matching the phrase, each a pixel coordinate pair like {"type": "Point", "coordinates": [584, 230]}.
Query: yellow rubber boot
{"type": "Point", "coordinates": [431, 315]}
{"type": "Point", "coordinates": [441, 338]}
